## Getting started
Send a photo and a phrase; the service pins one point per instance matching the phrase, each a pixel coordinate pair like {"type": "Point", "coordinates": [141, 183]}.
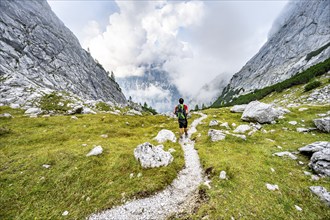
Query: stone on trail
{"type": "Point", "coordinates": [216, 135]}
{"type": "Point", "coordinates": [165, 135]}
{"type": "Point", "coordinates": [95, 151]}
{"type": "Point", "coordinates": [322, 193]}
{"type": "Point", "coordinates": [151, 156]}
{"type": "Point", "coordinates": [286, 153]}
{"type": "Point", "coordinates": [323, 124]}
{"type": "Point", "coordinates": [272, 187]}
{"type": "Point", "coordinates": [242, 129]}
{"type": "Point", "coordinates": [213, 123]}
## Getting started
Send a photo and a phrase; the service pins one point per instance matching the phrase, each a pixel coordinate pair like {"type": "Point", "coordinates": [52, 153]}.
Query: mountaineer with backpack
{"type": "Point", "coordinates": [181, 112]}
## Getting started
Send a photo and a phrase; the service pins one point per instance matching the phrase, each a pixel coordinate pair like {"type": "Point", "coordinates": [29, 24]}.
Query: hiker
{"type": "Point", "coordinates": [181, 111]}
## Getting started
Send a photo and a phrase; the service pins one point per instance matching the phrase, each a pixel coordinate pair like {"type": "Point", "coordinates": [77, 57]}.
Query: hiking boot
{"type": "Point", "coordinates": [186, 135]}
{"type": "Point", "coordinates": [181, 137]}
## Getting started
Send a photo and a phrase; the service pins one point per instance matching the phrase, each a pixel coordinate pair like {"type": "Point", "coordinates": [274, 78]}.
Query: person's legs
{"type": "Point", "coordinates": [185, 128]}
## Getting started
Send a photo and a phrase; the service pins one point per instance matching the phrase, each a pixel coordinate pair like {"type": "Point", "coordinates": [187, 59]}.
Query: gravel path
{"type": "Point", "coordinates": [173, 199]}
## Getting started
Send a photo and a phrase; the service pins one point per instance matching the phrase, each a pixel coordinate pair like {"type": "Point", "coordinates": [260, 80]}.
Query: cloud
{"type": "Point", "coordinates": [143, 33]}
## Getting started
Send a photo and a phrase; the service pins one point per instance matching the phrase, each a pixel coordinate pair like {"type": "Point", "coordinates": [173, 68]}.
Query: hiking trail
{"type": "Point", "coordinates": [174, 199]}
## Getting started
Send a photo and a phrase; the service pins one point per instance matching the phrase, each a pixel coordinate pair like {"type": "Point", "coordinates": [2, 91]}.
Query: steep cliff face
{"type": "Point", "coordinates": [38, 54]}
{"type": "Point", "coordinates": [299, 39]}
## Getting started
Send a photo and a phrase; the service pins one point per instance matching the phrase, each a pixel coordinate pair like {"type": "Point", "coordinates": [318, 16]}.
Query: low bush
{"type": "Point", "coordinates": [312, 85]}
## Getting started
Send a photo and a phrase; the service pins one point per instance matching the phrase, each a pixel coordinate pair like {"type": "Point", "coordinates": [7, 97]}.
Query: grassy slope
{"type": "Point", "coordinates": [79, 184]}
{"type": "Point", "coordinates": [248, 165]}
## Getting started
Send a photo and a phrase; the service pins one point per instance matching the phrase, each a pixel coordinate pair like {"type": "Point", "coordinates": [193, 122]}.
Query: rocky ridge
{"type": "Point", "coordinates": [39, 55]}
{"type": "Point", "coordinates": [301, 30]}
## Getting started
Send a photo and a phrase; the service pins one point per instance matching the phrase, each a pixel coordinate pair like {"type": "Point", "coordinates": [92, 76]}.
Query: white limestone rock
{"type": "Point", "coordinates": [165, 135]}
{"type": "Point", "coordinates": [322, 193]}
{"type": "Point", "coordinates": [213, 123]}
{"type": "Point", "coordinates": [293, 122]}
{"type": "Point", "coordinates": [225, 124]}
{"type": "Point", "coordinates": [323, 124]}
{"type": "Point", "coordinates": [223, 175]}
{"type": "Point", "coordinates": [151, 156]}
{"type": "Point", "coordinates": [95, 151]}
{"type": "Point", "coordinates": [33, 111]}
{"type": "Point", "coordinates": [272, 187]}
{"type": "Point", "coordinates": [286, 153]}
{"type": "Point", "coordinates": [320, 162]}
{"type": "Point", "coordinates": [6, 115]}
{"type": "Point", "coordinates": [242, 129]}
{"type": "Point", "coordinates": [216, 135]}
{"type": "Point", "coordinates": [238, 108]}
{"type": "Point", "coordinates": [315, 147]}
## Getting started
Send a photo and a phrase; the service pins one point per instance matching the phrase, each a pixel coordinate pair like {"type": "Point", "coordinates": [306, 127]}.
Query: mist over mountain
{"type": "Point", "coordinates": [300, 38]}
{"type": "Point", "coordinates": [38, 55]}
{"type": "Point", "coordinates": [154, 87]}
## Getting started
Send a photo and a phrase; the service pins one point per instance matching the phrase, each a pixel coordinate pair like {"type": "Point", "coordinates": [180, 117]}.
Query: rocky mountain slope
{"type": "Point", "coordinates": [39, 55]}
{"type": "Point", "coordinates": [299, 39]}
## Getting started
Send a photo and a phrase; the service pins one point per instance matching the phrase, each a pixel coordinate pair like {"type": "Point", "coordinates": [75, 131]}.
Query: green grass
{"type": "Point", "coordinates": [248, 165]}
{"type": "Point", "coordinates": [76, 183]}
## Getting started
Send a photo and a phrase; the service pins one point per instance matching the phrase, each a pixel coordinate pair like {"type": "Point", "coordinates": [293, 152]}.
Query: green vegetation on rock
{"type": "Point", "coordinates": [312, 85]}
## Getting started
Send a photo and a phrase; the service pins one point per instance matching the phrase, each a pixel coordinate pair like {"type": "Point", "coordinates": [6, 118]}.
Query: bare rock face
{"type": "Point", "coordinates": [40, 55]}
{"type": "Point", "coordinates": [302, 28]}
{"type": "Point", "coordinates": [322, 193]}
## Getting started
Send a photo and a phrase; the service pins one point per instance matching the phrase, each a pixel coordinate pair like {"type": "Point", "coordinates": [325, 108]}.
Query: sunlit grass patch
{"type": "Point", "coordinates": [249, 166]}
{"type": "Point", "coordinates": [76, 183]}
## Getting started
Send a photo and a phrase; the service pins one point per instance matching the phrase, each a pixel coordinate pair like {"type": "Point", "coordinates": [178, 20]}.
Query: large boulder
{"type": "Point", "coordinates": [151, 156]}
{"type": "Point", "coordinates": [261, 112]}
{"type": "Point", "coordinates": [165, 135]}
{"type": "Point", "coordinates": [238, 108]}
{"type": "Point", "coordinates": [216, 135]}
{"type": "Point", "coordinates": [33, 111]}
{"type": "Point", "coordinates": [320, 160]}
{"type": "Point", "coordinates": [315, 147]}
{"type": "Point", "coordinates": [323, 124]}
{"type": "Point", "coordinates": [322, 193]}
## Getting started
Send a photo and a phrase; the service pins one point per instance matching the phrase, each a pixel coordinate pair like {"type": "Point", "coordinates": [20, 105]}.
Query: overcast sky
{"type": "Point", "coordinates": [193, 40]}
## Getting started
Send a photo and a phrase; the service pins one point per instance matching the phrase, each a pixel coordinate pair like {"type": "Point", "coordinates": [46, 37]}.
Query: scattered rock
{"type": "Point", "coordinates": [150, 156]}
{"type": "Point", "coordinates": [139, 175]}
{"type": "Point", "coordinates": [323, 124]}
{"type": "Point", "coordinates": [133, 112]}
{"type": "Point", "coordinates": [216, 135]}
{"type": "Point", "coordinates": [213, 123]}
{"type": "Point", "coordinates": [298, 208]}
{"type": "Point", "coordinates": [302, 109]}
{"type": "Point", "coordinates": [74, 118]}
{"type": "Point", "coordinates": [315, 178]}
{"type": "Point", "coordinates": [33, 111]}
{"type": "Point", "coordinates": [293, 122]}
{"type": "Point", "coordinates": [65, 213]}
{"type": "Point", "coordinates": [233, 124]}
{"type": "Point", "coordinates": [131, 175]}
{"type": "Point", "coordinates": [46, 166]}
{"type": "Point", "coordinates": [6, 115]}
{"type": "Point", "coordinates": [95, 151]}
{"type": "Point", "coordinates": [256, 125]}
{"type": "Point", "coordinates": [260, 112]}
{"type": "Point", "coordinates": [104, 136]}
{"type": "Point", "coordinates": [127, 123]}
{"type": "Point", "coordinates": [301, 130]}
{"type": "Point", "coordinates": [242, 128]}
{"type": "Point", "coordinates": [321, 115]}
{"type": "Point", "coordinates": [301, 163]}
{"type": "Point", "coordinates": [307, 173]}
{"type": "Point", "coordinates": [225, 124]}
{"type": "Point", "coordinates": [252, 132]}
{"type": "Point", "coordinates": [238, 108]}
{"type": "Point", "coordinates": [322, 193]}
{"type": "Point", "coordinates": [84, 145]}
{"type": "Point", "coordinates": [87, 110]}
{"type": "Point", "coordinates": [286, 153]}
{"type": "Point", "coordinates": [272, 187]}
{"type": "Point", "coordinates": [223, 175]}
{"type": "Point", "coordinates": [171, 150]}
{"type": "Point", "coordinates": [272, 169]}
{"type": "Point", "coordinates": [165, 135]}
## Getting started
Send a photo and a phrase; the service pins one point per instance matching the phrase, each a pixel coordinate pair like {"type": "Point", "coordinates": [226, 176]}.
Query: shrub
{"type": "Point", "coordinates": [312, 85]}
{"type": "Point", "coordinates": [103, 106]}
{"type": "Point", "coordinates": [4, 130]}
{"type": "Point", "coordinates": [53, 102]}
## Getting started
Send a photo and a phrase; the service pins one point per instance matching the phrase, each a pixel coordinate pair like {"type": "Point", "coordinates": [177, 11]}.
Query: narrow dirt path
{"type": "Point", "coordinates": [173, 199]}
